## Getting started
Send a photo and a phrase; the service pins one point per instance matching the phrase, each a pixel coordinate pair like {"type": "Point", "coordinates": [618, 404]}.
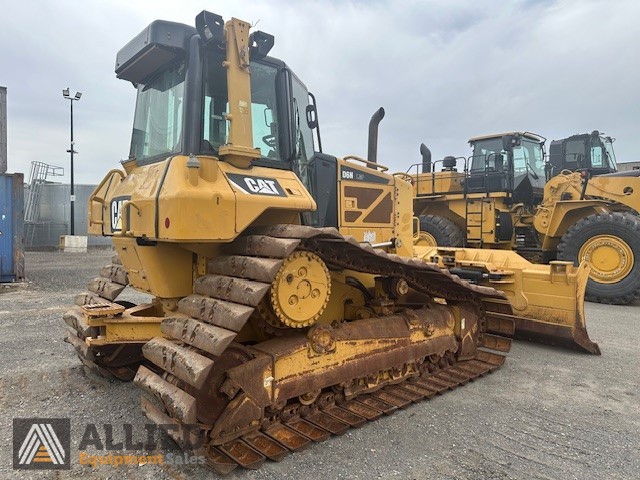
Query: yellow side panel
{"type": "Point", "coordinates": [625, 190]}
{"type": "Point", "coordinates": [203, 209]}
{"type": "Point", "coordinates": [437, 183]}
{"type": "Point", "coordinates": [164, 270]}
{"type": "Point", "coordinates": [205, 200]}
{"type": "Point", "coordinates": [366, 203]}
{"type": "Point", "coordinates": [260, 189]}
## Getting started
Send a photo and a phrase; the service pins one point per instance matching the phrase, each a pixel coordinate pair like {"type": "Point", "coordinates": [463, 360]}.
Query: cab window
{"type": "Point", "coordinates": [157, 124]}
{"type": "Point", "coordinates": [264, 108]}
{"type": "Point", "coordinates": [597, 159]}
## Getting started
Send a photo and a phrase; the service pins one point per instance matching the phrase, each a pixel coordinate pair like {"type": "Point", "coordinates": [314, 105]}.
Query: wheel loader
{"type": "Point", "coordinates": [289, 301]}
{"type": "Point", "coordinates": [501, 199]}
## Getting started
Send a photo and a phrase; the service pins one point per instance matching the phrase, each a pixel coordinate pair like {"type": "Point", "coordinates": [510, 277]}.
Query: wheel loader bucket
{"type": "Point", "coordinates": [547, 300]}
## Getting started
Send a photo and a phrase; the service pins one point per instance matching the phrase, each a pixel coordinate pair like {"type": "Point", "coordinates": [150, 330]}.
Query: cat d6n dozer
{"type": "Point", "coordinates": [502, 200]}
{"type": "Point", "coordinates": [269, 327]}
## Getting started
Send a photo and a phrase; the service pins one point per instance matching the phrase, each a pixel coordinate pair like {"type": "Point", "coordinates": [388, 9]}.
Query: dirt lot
{"type": "Point", "coordinates": [547, 413]}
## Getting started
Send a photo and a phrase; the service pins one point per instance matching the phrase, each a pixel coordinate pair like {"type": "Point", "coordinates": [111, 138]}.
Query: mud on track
{"type": "Point", "coordinates": [546, 413]}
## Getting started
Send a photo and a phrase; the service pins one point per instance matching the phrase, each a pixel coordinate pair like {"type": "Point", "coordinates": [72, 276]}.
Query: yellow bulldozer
{"type": "Point", "coordinates": [504, 198]}
{"type": "Point", "coordinates": [290, 302]}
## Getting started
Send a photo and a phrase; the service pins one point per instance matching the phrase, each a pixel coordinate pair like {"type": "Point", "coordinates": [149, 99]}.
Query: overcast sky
{"type": "Point", "coordinates": [444, 71]}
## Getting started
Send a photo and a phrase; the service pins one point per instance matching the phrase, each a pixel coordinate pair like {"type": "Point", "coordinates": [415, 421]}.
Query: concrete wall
{"type": "Point", "coordinates": [55, 212]}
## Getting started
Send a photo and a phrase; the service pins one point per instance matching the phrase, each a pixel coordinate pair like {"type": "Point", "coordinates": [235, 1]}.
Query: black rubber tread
{"type": "Point", "coordinates": [446, 233]}
{"type": "Point", "coordinates": [621, 224]}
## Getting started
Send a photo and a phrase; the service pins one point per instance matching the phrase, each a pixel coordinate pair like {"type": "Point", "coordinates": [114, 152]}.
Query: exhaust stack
{"type": "Point", "coordinates": [376, 118]}
{"type": "Point", "coordinates": [426, 158]}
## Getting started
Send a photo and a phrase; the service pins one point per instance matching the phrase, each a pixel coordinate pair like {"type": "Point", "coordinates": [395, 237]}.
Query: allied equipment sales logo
{"type": "Point", "coordinates": [41, 443]}
{"type": "Point", "coordinates": [45, 444]}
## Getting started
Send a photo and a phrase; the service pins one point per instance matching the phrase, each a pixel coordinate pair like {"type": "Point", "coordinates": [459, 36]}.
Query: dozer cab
{"type": "Point", "coordinates": [500, 199]}
{"type": "Point", "coordinates": [269, 327]}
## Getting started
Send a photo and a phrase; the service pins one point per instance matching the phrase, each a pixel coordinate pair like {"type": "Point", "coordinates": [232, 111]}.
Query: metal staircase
{"type": "Point", "coordinates": [38, 176]}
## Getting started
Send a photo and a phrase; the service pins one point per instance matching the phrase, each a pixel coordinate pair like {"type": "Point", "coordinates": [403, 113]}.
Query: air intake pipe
{"type": "Point", "coordinates": [376, 118]}
{"type": "Point", "coordinates": [426, 158]}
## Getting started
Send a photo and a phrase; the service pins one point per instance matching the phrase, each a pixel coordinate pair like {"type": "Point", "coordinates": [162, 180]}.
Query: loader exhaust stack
{"type": "Point", "coordinates": [426, 158]}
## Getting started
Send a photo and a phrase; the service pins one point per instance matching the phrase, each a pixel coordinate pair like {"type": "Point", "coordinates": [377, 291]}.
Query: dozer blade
{"type": "Point", "coordinates": [547, 300]}
{"type": "Point", "coordinates": [556, 327]}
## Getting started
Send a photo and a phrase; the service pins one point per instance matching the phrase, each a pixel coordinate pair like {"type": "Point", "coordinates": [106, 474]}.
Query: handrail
{"type": "Point", "coordinates": [367, 162]}
{"type": "Point", "coordinates": [124, 218]}
{"type": "Point", "coordinates": [404, 176]}
{"type": "Point", "coordinates": [94, 198]}
{"type": "Point", "coordinates": [418, 166]}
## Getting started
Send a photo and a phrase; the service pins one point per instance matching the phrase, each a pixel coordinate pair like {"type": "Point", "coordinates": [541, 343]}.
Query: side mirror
{"type": "Point", "coordinates": [268, 117]}
{"type": "Point", "coordinates": [312, 116]}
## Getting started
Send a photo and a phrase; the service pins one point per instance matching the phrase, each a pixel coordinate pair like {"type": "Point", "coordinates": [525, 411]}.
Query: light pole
{"type": "Point", "coordinates": [71, 151]}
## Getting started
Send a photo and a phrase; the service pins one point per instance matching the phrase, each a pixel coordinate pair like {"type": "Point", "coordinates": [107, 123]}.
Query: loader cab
{"type": "Point", "coordinates": [512, 163]}
{"type": "Point", "coordinates": [588, 151]}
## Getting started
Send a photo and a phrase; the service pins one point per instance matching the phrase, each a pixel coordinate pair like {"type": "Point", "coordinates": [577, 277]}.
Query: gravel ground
{"type": "Point", "coordinates": [546, 414]}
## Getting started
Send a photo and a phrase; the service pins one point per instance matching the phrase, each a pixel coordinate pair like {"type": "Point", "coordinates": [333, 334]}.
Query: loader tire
{"type": "Point", "coordinates": [611, 244]}
{"type": "Point", "coordinates": [443, 231]}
